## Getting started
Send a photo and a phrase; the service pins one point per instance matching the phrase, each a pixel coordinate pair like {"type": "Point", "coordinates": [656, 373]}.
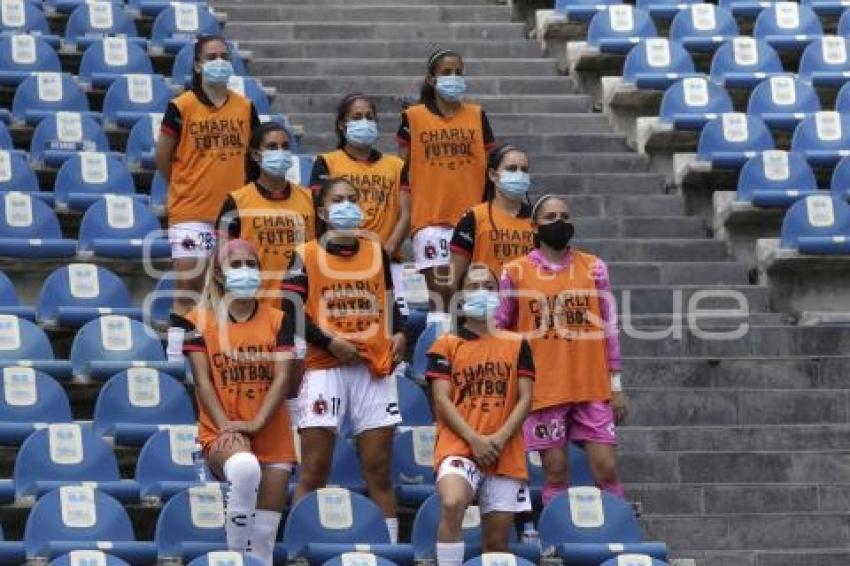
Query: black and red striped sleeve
{"type": "Point", "coordinates": [295, 280]}
{"type": "Point", "coordinates": [286, 334]}
{"type": "Point", "coordinates": [403, 134]}
{"type": "Point", "coordinates": [319, 174]}
{"type": "Point", "coordinates": [463, 237]}
{"type": "Point", "coordinates": [172, 121]}
{"type": "Point", "coordinates": [439, 364]}
{"type": "Point", "coordinates": [404, 182]}
{"type": "Point", "coordinates": [489, 138]}
{"type": "Point", "coordinates": [525, 361]}
{"type": "Point", "coordinates": [193, 340]}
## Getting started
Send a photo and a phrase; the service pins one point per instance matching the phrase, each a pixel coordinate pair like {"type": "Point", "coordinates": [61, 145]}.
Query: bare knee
{"type": "Point", "coordinates": [604, 467]}
{"type": "Point", "coordinates": [314, 472]}
{"type": "Point", "coordinates": [376, 472]}
{"type": "Point", "coordinates": [556, 467]}
{"type": "Point", "coordinates": [453, 507]}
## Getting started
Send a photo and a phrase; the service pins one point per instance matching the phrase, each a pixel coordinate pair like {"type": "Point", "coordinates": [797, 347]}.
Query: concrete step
{"type": "Point", "coordinates": [590, 163]}
{"type": "Point", "coordinates": [383, 49]}
{"type": "Point", "coordinates": [749, 372]}
{"type": "Point", "coordinates": [642, 249]}
{"type": "Point", "coordinates": [402, 14]}
{"type": "Point", "coordinates": [639, 227]}
{"type": "Point", "coordinates": [394, 101]}
{"type": "Point", "coordinates": [409, 85]}
{"type": "Point", "coordinates": [334, 4]}
{"type": "Point", "coordinates": [684, 273]}
{"type": "Point", "coordinates": [502, 124]}
{"type": "Point", "coordinates": [473, 67]}
{"type": "Point", "coordinates": [819, 556]}
{"type": "Point", "coordinates": [366, 31]}
{"type": "Point", "coordinates": [645, 206]}
{"type": "Point", "coordinates": [598, 183]}
{"type": "Point", "coordinates": [683, 299]}
{"type": "Point", "coordinates": [662, 438]}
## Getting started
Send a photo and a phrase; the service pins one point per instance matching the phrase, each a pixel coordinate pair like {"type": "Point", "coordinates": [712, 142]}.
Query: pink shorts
{"type": "Point", "coordinates": [554, 427]}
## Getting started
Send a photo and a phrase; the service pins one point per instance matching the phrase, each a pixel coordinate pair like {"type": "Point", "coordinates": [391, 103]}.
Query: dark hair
{"type": "Point", "coordinates": [199, 47]}
{"type": "Point", "coordinates": [427, 93]}
{"type": "Point", "coordinates": [319, 199]}
{"type": "Point", "coordinates": [536, 208]}
{"type": "Point", "coordinates": [252, 168]}
{"type": "Point", "coordinates": [494, 159]}
{"type": "Point", "coordinates": [342, 110]}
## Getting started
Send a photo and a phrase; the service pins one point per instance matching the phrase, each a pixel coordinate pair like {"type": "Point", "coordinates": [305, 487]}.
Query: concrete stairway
{"type": "Point", "coordinates": [737, 449]}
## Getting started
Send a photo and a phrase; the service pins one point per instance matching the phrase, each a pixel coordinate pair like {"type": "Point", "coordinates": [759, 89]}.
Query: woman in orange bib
{"type": "Point", "coordinates": [499, 230]}
{"type": "Point", "coordinates": [481, 381]}
{"type": "Point", "coordinates": [274, 214]}
{"type": "Point", "coordinates": [380, 179]}
{"type": "Point", "coordinates": [560, 299]}
{"type": "Point", "coordinates": [341, 283]}
{"type": "Point", "coordinates": [445, 142]}
{"type": "Point", "coordinates": [241, 355]}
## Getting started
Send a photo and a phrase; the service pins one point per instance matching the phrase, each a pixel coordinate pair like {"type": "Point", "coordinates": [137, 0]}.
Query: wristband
{"type": "Point", "coordinates": [616, 382]}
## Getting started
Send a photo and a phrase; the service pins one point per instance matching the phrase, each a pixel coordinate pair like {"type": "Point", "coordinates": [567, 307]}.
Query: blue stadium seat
{"type": "Point", "coordinates": [419, 364]}
{"type": "Point", "coordinates": [29, 229]}
{"type": "Point", "coordinates": [226, 558]}
{"type": "Point", "coordinates": [582, 10]}
{"type": "Point", "coordinates": [413, 403]}
{"type": "Point", "coordinates": [703, 27]}
{"type": "Point", "coordinates": [191, 523]}
{"type": "Point", "coordinates": [76, 293]}
{"type": "Point", "coordinates": [24, 54]}
{"type": "Point", "coordinates": [656, 63]}
{"type": "Point", "coordinates": [690, 103]}
{"type": "Point", "coordinates": [180, 24]}
{"type": "Point", "coordinates": [413, 465]}
{"type": "Point", "coordinates": [775, 178]}
{"type": "Point", "coordinates": [5, 138]}
{"type": "Point", "coordinates": [17, 175]}
{"type": "Point", "coordinates": [359, 559]}
{"type": "Point", "coordinates": [158, 303]}
{"type": "Point", "coordinates": [43, 94]}
{"type": "Point", "coordinates": [788, 26]}
{"type": "Point", "coordinates": [82, 518]}
{"type": "Point", "coordinates": [113, 343]}
{"type": "Point", "coordinates": [825, 63]}
{"type": "Point", "coordinates": [87, 558]}
{"type": "Point", "coordinates": [744, 62]}
{"type": "Point", "coordinates": [587, 526]}
{"type": "Point", "coordinates": [748, 8]}
{"type": "Point", "coordinates": [842, 100]}
{"type": "Point", "coordinates": [300, 170]}
{"type": "Point", "coordinates": [826, 7]}
{"type": "Point", "coordinates": [423, 537]}
{"type": "Point", "coordinates": [782, 101]}
{"type": "Point", "coordinates": [345, 469]}
{"type": "Point", "coordinates": [62, 135]}
{"type": "Point", "coordinates": [331, 521]}
{"type": "Point", "coordinates": [840, 182]}
{"type": "Point", "coordinates": [732, 139]}
{"type": "Point", "coordinates": [91, 22]}
{"type": "Point", "coordinates": [52, 7]}
{"type": "Point", "coordinates": [24, 16]}
{"type": "Point", "coordinates": [664, 9]}
{"type": "Point", "coordinates": [118, 226]}
{"type": "Point", "coordinates": [817, 225]}
{"type": "Point", "coordinates": [165, 466]}
{"type": "Point", "coordinates": [89, 175]}
{"type": "Point", "coordinates": [107, 60]}
{"type": "Point", "coordinates": [633, 560]}
{"type": "Point", "coordinates": [579, 471]}
{"type": "Point", "coordinates": [29, 398]}
{"type": "Point", "coordinates": [141, 144]}
{"type": "Point", "coordinates": [135, 403]}
{"type": "Point", "coordinates": [159, 194]}
{"type": "Point", "coordinates": [22, 343]}
{"type": "Point", "coordinates": [65, 453]}
{"type": "Point", "coordinates": [250, 88]}
{"type": "Point", "coordinates": [181, 72]}
{"type": "Point", "coordinates": [844, 25]}
{"type": "Point", "coordinates": [132, 97]}
{"type": "Point", "coordinates": [9, 301]}
{"type": "Point", "coordinates": [498, 559]}
{"type": "Point", "coordinates": [823, 137]}
{"type": "Point", "coordinates": [11, 552]}
{"type": "Point", "coordinates": [619, 28]}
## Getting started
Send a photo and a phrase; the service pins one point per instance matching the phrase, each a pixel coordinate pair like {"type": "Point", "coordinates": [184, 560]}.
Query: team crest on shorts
{"type": "Point", "coordinates": [456, 463]}
{"type": "Point", "coordinates": [320, 406]}
{"type": "Point", "coordinates": [188, 244]}
{"type": "Point", "coordinates": [540, 431]}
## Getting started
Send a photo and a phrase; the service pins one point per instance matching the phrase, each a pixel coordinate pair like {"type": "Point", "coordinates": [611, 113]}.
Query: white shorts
{"type": "Point", "coordinates": [347, 399]}
{"type": "Point", "coordinates": [191, 239]}
{"type": "Point", "coordinates": [495, 493]}
{"type": "Point", "coordinates": [431, 246]}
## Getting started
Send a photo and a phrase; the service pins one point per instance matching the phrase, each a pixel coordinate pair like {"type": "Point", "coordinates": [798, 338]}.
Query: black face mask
{"type": "Point", "coordinates": [556, 235]}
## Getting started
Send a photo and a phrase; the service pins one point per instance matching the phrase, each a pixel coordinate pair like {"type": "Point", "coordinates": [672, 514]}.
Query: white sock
{"type": "Point", "coordinates": [264, 535]}
{"type": "Point", "coordinates": [392, 527]}
{"type": "Point", "coordinates": [450, 553]}
{"type": "Point", "coordinates": [174, 346]}
{"type": "Point", "coordinates": [242, 471]}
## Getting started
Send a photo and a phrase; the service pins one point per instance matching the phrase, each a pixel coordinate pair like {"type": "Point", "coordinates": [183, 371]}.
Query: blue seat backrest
{"type": "Point", "coordinates": [32, 396]}
{"type": "Point", "coordinates": [694, 95]}
{"type": "Point", "coordinates": [49, 92]}
{"type": "Point", "coordinates": [656, 55]}
{"type": "Point", "coordinates": [100, 18]}
{"type": "Point", "coordinates": [620, 21]}
{"type": "Point", "coordinates": [818, 215]}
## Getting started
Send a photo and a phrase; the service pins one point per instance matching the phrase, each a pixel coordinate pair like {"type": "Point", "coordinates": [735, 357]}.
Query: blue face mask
{"type": "Point", "coordinates": [276, 162]}
{"type": "Point", "coordinates": [514, 184]}
{"type": "Point", "coordinates": [242, 282]}
{"type": "Point", "coordinates": [480, 304]}
{"type": "Point", "coordinates": [217, 71]}
{"type": "Point", "coordinates": [363, 133]}
{"type": "Point", "coordinates": [345, 215]}
{"type": "Point", "coordinates": [451, 87]}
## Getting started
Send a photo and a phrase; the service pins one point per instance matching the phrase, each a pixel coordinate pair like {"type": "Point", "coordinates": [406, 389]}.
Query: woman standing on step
{"type": "Point", "coordinates": [560, 299]}
{"type": "Point", "coordinates": [445, 143]}
{"type": "Point", "coordinates": [201, 155]}
{"type": "Point", "coordinates": [274, 214]}
{"type": "Point", "coordinates": [481, 380]}
{"type": "Point", "coordinates": [498, 230]}
{"type": "Point", "coordinates": [344, 284]}
{"type": "Point", "coordinates": [381, 180]}
{"type": "Point", "coordinates": [242, 362]}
